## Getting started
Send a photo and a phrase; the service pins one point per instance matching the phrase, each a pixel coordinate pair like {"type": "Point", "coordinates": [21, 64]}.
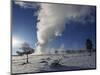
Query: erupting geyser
{"type": "Point", "coordinates": [52, 20]}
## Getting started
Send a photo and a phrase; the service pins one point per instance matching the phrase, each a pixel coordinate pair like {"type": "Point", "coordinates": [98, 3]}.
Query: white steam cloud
{"type": "Point", "coordinates": [53, 18]}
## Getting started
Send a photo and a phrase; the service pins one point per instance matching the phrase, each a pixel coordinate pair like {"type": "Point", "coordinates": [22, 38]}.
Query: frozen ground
{"type": "Point", "coordinates": [42, 63]}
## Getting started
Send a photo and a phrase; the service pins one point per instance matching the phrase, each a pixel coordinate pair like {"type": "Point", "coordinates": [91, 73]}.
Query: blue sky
{"type": "Point", "coordinates": [24, 24]}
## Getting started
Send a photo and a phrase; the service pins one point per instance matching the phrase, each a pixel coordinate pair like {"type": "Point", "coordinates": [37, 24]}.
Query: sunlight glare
{"type": "Point", "coordinates": [16, 42]}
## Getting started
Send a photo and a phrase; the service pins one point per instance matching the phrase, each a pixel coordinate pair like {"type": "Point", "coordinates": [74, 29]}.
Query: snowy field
{"type": "Point", "coordinates": [42, 63]}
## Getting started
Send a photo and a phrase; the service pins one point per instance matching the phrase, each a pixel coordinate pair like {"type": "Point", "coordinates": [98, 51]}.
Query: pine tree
{"type": "Point", "coordinates": [89, 45]}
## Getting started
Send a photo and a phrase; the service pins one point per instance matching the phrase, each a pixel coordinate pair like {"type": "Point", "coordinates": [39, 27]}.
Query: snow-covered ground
{"type": "Point", "coordinates": [42, 63]}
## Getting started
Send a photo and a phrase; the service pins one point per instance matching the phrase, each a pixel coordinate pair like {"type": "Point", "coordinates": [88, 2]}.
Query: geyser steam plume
{"type": "Point", "coordinates": [52, 20]}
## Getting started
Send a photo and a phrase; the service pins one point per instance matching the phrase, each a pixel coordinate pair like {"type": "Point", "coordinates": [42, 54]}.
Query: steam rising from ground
{"type": "Point", "coordinates": [53, 19]}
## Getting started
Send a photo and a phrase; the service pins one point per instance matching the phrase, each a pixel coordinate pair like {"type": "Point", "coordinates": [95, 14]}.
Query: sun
{"type": "Point", "coordinates": [16, 42]}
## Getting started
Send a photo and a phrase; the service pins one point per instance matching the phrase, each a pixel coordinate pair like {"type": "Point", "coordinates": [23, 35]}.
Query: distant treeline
{"type": "Point", "coordinates": [74, 51]}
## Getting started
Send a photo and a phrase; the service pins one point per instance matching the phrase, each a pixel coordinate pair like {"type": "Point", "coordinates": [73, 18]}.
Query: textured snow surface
{"type": "Point", "coordinates": [42, 63]}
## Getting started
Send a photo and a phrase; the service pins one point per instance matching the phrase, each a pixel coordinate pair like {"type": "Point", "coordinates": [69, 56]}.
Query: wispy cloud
{"type": "Point", "coordinates": [27, 4]}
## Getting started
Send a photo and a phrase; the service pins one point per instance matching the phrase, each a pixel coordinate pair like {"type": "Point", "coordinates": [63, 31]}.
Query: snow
{"type": "Point", "coordinates": [42, 63]}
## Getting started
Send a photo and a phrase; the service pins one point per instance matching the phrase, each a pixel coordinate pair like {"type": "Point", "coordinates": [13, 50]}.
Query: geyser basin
{"type": "Point", "coordinates": [53, 37]}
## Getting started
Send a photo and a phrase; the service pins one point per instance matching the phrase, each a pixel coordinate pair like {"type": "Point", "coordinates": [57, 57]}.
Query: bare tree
{"type": "Point", "coordinates": [26, 51]}
{"type": "Point", "coordinates": [20, 53]}
{"type": "Point", "coordinates": [56, 52]}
